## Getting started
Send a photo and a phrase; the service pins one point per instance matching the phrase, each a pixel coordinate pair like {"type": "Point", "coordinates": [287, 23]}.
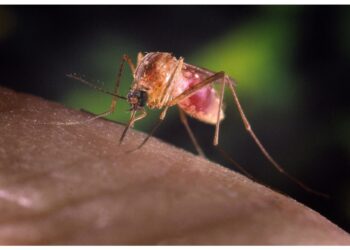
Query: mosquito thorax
{"type": "Point", "coordinates": [152, 75]}
{"type": "Point", "coordinates": [137, 98]}
{"type": "Point", "coordinates": [154, 65]}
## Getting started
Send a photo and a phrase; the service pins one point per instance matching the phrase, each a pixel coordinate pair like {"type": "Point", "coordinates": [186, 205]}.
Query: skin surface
{"type": "Point", "coordinates": [76, 185]}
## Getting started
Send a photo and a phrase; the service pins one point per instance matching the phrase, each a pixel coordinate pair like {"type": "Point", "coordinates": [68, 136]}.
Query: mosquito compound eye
{"type": "Point", "coordinates": [131, 96]}
{"type": "Point", "coordinates": [143, 98]}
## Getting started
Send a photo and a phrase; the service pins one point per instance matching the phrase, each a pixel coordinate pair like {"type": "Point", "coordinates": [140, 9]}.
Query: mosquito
{"type": "Point", "coordinates": [161, 81]}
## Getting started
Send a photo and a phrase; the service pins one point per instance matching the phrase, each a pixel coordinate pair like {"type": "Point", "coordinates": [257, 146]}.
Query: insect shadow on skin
{"type": "Point", "coordinates": [162, 81]}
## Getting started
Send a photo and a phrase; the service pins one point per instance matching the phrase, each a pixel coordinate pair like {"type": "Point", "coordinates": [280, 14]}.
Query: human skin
{"type": "Point", "coordinates": [76, 185]}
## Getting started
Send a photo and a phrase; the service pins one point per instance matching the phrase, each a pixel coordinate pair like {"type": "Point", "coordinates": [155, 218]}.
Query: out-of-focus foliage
{"type": "Point", "coordinates": [257, 55]}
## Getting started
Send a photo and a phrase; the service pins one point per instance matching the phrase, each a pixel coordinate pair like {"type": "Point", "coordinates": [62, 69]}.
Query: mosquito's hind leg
{"type": "Point", "coordinates": [195, 143]}
{"type": "Point", "coordinates": [221, 151]}
{"type": "Point", "coordinates": [247, 125]}
{"type": "Point", "coordinates": [262, 148]}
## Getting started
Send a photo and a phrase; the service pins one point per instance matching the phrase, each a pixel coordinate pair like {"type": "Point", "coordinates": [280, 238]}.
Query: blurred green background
{"type": "Point", "coordinates": [291, 64]}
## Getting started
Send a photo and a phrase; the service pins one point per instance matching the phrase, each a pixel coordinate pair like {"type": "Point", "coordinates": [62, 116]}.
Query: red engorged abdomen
{"type": "Point", "coordinates": [202, 105]}
{"type": "Point", "coordinates": [202, 99]}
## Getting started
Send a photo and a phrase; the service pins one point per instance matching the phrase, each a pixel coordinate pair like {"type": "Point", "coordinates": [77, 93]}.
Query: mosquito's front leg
{"type": "Point", "coordinates": [164, 100]}
{"type": "Point", "coordinates": [161, 119]}
{"type": "Point", "coordinates": [115, 94]}
{"type": "Point", "coordinates": [129, 61]}
{"type": "Point", "coordinates": [130, 123]}
{"type": "Point", "coordinates": [139, 58]}
{"type": "Point", "coordinates": [141, 116]}
{"type": "Point", "coordinates": [133, 119]}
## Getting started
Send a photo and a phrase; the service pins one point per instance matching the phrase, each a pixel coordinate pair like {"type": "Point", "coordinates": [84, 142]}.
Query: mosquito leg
{"type": "Point", "coordinates": [216, 141]}
{"type": "Point", "coordinates": [119, 76]}
{"type": "Point", "coordinates": [262, 148]}
{"type": "Point", "coordinates": [139, 57]}
{"type": "Point", "coordinates": [168, 90]}
{"type": "Point", "coordinates": [192, 90]}
{"type": "Point", "coordinates": [143, 115]}
{"type": "Point", "coordinates": [235, 163]}
{"type": "Point", "coordinates": [217, 125]}
{"type": "Point", "coordinates": [195, 143]}
{"type": "Point", "coordinates": [79, 122]}
{"type": "Point", "coordinates": [129, 61]}
{"type": "Point", "coordinates": [108, 112]}
{"type": "Point", "coordinates": [164, 97]}
{"type": "Point", "coordinates": [156, 126]}
{"type": "Point", "coordinates": [115, 94]}
{"type": "Point", "coordinates": [247, 125]}
{"type": "Point", "coordinates": [131, 121]}
{"type": "Point", "coordinates": [198, 86]}
{"type": "Point", "coordinates": [93, 114]}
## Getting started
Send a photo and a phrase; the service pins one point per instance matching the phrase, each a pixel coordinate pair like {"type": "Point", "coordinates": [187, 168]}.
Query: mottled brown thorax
{"type": "Point", "coordinates": [153, 74]}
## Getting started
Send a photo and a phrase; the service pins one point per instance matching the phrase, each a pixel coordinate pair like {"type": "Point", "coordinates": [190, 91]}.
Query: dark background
{"type": "Point", "coordinates": [291, 63]}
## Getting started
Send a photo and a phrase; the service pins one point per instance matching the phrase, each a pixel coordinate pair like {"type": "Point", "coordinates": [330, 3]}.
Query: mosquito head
{"type": "Point", "coordinates": [137, 98]}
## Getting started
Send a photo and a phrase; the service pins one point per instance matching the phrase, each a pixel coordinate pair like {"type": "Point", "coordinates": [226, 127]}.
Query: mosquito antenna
{"type": "Point", "coordinates": [84, 81]}
{"type": "Point", "coordinates": [262, 148]}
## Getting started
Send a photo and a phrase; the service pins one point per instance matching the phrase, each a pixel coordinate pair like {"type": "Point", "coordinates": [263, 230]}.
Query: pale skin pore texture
{"type": "Point", "coordinates": [76, 185]}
